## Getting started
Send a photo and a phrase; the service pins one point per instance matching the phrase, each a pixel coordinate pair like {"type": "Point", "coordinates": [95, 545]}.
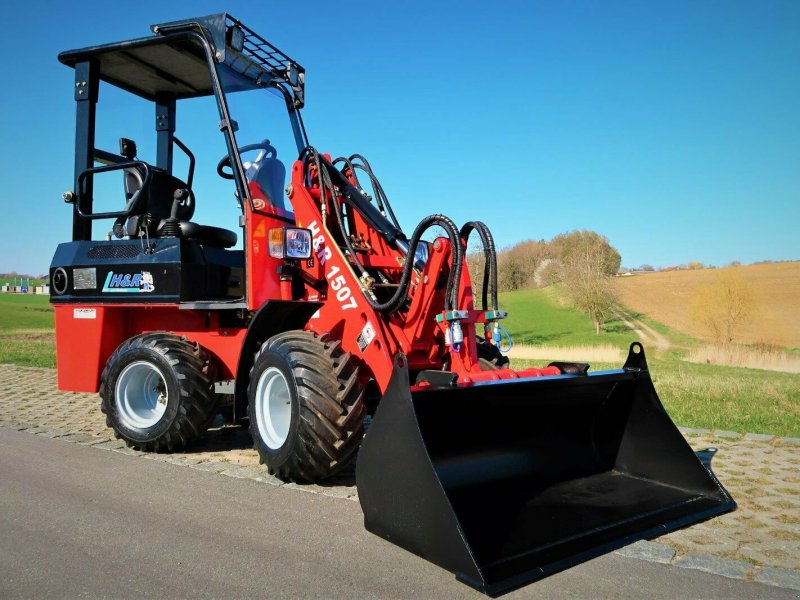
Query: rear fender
{"type": "Point", "coordinates": [275, 316]}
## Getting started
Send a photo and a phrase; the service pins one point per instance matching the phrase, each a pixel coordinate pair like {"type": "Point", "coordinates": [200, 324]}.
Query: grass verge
{"type": "Point", "coordinates": [26, 330]}
{"type": "Point", "coordinates": [720, 398]}
{"type": "Point", "coordinates": [732, 398]}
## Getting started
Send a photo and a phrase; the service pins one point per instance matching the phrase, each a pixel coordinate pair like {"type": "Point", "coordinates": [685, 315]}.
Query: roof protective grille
{"type": "Point", "coordinates": [268, 57]}
{"type": "Point", "coordinates": [244, 51]}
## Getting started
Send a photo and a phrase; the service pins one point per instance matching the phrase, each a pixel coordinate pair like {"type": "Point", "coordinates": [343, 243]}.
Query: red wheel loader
{"type": "Point", "coordinates": [331, 314]}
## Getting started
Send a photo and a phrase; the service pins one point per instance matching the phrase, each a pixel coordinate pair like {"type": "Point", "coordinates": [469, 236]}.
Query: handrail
{"type": "Point", "coordinates": [132, 203]}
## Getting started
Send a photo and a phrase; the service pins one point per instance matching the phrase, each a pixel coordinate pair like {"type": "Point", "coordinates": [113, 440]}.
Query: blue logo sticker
{"type": "Point", "coordinates": [131, 283]}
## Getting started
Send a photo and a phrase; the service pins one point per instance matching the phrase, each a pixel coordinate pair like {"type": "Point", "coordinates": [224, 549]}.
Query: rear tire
{"type": "Point", "coordinates": [306, 406]}
{"type": "Point", "coordinates": [157, 392]}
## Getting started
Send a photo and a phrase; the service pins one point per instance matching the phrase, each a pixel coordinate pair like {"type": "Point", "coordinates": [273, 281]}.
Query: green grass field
{"type": "Point", "coordinates": [723, 398]}
{"type": "Point", "coordinates": [537, 317]}
{"type": "Point", "coordinates": [696, 395]}
{"type": "Point", "coordinates": [716, 397]}
{"type": "Point", "coordinates": [26, 330]}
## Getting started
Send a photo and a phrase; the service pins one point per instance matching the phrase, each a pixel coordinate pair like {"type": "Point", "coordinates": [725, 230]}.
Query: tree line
{"type": "Point", "coordinates": [582, 261]}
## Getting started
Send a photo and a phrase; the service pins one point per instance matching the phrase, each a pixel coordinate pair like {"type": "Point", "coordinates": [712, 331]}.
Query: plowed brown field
{"type": "Point", "coordinates": [667, 298]}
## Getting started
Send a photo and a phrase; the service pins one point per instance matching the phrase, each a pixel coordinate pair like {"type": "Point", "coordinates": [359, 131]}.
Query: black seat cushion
{"type": "Point", "coordinates": [205, 234]}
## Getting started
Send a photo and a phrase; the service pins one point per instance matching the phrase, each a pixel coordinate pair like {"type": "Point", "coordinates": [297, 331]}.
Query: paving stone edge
{"type": "Point", "coordinates": [218, 468]}
{"type": "Point", "coordinates": [733, 569]}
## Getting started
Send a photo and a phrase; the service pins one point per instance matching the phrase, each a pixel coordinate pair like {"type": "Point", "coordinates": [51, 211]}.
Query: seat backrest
{"type": "Point", "coordinates": [268, 174]}
{"type": "Point", "coordinates": [156, 200]}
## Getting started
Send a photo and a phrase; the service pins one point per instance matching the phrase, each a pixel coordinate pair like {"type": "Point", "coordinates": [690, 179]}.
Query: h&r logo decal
{"type": "Point", "coordinates": [134, 283]}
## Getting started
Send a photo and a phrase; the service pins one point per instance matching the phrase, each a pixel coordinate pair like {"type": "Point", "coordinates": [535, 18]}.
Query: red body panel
{"type": "Point", "coordinates": [86, 335]}
{"type": "Point", "coordinates": [262, 279]}
{"type": "Point", "coordinates": [85, 338]}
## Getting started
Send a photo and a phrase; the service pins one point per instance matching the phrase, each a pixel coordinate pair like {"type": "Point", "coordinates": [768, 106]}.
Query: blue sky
{"type": "Point", "coordinates": [673, 128]}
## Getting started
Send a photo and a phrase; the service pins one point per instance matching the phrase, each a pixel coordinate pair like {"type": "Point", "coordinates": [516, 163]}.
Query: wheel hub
{"type": "Point", "coordinates": [273, 407]}
{"type": "Point", "coordinates": [141, 395]}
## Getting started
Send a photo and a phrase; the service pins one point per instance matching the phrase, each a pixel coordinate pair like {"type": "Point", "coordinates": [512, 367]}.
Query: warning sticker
{"type": "Point", "coordinates": [366, 336]}
{"type": "Point", "coordinates": [84, 313]}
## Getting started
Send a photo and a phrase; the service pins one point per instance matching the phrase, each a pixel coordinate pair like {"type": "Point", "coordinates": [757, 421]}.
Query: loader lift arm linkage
{"type": "Point", "coordinates": [330, 312]}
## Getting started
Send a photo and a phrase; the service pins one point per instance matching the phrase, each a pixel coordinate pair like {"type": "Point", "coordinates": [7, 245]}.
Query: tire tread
{"type": "Point", "coordinates": [331, 398]}
{"type": "Point", "coordinates": [194, 373]}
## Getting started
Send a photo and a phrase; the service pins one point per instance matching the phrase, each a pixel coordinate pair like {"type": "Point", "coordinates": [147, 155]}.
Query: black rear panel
{"type": "Point", "coordinates": [175, 270]}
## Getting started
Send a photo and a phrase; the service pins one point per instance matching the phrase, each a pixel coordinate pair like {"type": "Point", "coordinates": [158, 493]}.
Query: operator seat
{"type": "Point", "coordinates": [266, 177]}
{"type": "Point", "coordinates": [154, 208]}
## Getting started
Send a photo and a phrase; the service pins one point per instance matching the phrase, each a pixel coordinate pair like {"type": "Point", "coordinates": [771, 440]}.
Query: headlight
{"type": "Point", "coordinates": [289, 242]}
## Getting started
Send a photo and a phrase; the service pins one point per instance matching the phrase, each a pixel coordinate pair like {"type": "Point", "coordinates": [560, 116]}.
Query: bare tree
{"type": "Point", "coordinates": [725, 304]}
{"type": "Point", "coordinates": [587, 263]}
{"type": "Point", "coordinates": [510, 271]}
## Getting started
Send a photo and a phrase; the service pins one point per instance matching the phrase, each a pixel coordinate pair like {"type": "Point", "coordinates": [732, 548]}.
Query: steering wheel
{"type": "Point", "coordinates": [225, 162]}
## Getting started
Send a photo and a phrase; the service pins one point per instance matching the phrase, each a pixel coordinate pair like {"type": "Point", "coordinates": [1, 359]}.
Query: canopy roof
{"type": "Point", "coordinates": [173, 63]}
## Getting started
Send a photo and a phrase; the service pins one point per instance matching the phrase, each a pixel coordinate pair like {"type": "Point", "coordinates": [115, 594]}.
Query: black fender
{"type": "Point", "coordinates": [275, 316]}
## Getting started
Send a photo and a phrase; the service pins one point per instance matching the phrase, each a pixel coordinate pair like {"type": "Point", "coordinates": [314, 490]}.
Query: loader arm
{"type": "Point", "coordinates": [370, 244]}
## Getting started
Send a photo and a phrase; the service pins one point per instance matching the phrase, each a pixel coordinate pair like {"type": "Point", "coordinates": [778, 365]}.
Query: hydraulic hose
{"type": "Point", "coordinates": [490, 260]}
{"type": "Point", "coordinates": [349, 166]}
{"type": "Point", "coordinates": [354, 198]}
{"type": "Point", "coordinates": [310, 153]}
{"type": "Point", "coordinates": [380, 196]}
{"type": "Point", "coordinates": [451, 295]}
{"type": "Point", "coordinates": [376, 186]}
{"type": "Point", "coordinates": [383, 199]}
{"type": "Point", "coordinates": [324, 181]}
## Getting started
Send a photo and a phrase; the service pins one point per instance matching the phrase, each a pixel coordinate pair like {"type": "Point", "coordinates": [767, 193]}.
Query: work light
{"type": "Point", "coordinates": [236, 38]}
{"type": "Point", "coordinates": [289, 242]}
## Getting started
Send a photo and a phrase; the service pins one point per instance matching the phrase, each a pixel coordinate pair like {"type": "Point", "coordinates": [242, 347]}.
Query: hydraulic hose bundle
{"type": "Point", "coordinates": [380, 196]}
{"type": "Point", "coordinates": [451, 295]}
{"type": "Point", "coordinates": [351, 191]}
{"type": "Point", "coordinates": [355, 198]}
{"type": "Point", "coordinates": [490, 260]}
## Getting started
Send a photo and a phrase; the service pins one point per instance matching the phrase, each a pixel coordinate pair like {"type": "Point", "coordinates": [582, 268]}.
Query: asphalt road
{"type": "Point", "coordinates": [82, 522]}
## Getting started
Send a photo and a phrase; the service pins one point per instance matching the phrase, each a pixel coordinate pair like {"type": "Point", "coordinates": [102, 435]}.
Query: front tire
{"type": "Point", "coordinates": [306, 406]}
{"type": "Point", "coordinates": [157, 392]}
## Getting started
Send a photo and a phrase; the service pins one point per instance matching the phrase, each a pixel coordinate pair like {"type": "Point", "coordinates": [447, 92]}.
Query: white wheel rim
{"type": "Point", "coordinates": [273, 407]}
{"type": "Point", "coordinates": [141, 395]}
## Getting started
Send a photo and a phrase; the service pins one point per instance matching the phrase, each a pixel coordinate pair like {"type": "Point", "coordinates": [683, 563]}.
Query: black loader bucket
{"type": "Point", "coordinates": [506, 482]}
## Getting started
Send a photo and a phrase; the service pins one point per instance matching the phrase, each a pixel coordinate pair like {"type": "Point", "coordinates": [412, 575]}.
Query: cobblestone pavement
{"type": "Point", "coordinates": [760, 541]}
